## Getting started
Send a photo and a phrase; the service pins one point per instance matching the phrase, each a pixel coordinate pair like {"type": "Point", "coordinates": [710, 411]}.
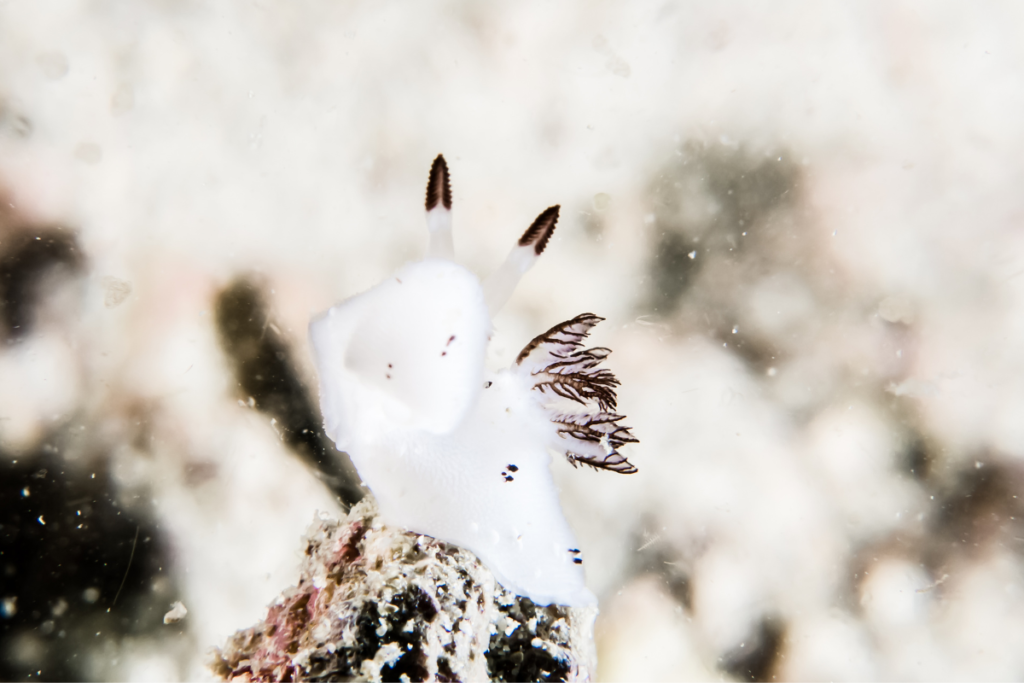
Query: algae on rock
{"type": "Point", "coordinates": [380, 603]}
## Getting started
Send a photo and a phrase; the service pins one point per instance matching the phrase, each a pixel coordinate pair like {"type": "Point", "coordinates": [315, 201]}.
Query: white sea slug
{"type": "Point", "coordinates": [450, 449]}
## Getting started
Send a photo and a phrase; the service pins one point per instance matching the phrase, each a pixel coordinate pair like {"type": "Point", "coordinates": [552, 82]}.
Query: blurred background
{"type": "Point", "coordinates": [802, 222]}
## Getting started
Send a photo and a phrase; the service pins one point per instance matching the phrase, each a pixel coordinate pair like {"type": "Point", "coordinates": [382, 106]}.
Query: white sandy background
{"type": "Point", "coordinates": [188, 142]}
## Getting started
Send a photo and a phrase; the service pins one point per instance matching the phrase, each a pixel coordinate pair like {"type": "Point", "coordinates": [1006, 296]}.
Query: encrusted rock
{"type": "Point", "coordinates": [379, 603]}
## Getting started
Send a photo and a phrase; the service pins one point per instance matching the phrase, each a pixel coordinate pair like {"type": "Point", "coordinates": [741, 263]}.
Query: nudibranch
{"type": "Point", "coordinates": [450, 449]}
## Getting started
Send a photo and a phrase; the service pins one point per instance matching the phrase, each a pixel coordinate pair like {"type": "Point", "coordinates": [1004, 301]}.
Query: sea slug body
{"type": "Point", "coordinates": [450, 449]}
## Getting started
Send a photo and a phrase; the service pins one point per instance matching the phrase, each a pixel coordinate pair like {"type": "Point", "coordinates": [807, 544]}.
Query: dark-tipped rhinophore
{"type": "Point", "coordinates": [439, 189]}
{"type": "Point", "coordinates": [541, 230]}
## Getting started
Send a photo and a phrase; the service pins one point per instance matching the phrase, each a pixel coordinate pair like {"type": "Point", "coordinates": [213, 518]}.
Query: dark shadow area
{"type": "Point", "coordinates": [981, 503]}
{"type": "Point", "coordinates": [758, 656]}
{"type": "Point", "coordinates": [68, 550]}
{"type": "Point", "coordinates": [711, 202]}
{"type": "Point", "coordinates": [659, 558]}
{"type": "Point", "coordinates": [916, 460]}
{"type": "Point", "coordinates": [973, 509]}
{"type": "Point", "coordinates": [27, 257]}
{"type": "Point", "coordinates": [265, 372]}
